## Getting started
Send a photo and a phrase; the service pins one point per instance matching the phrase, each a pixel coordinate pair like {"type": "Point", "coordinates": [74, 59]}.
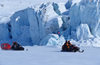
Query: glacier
{"type": "Point", "coordinates": [78, 21]}
{"type": "Point", "coordinates": [53, 40]}
{"type": "Point", "coordinates": [83, 32]}
{"type": "Point", "coordinates": [27, 26]}
{"type": "Point", "coordinates": [86, 12]}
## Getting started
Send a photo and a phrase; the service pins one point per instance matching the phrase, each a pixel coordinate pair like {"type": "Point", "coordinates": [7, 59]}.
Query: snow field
{"type": "Point", "coordinates": [44, 55]}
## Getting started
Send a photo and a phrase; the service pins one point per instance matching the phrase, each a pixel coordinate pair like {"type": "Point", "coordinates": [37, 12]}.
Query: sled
{"type": "Point", "coordinates": [5, 46]}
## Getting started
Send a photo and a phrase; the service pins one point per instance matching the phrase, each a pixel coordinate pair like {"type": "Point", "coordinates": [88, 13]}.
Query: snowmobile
{"type": "Point", "coordinates": [15, 46]}
{"type": "Point", "coordinates": [68, 47]}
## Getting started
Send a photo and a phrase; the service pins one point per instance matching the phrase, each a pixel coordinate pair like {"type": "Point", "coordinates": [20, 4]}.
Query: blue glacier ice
{"type": "Point", "coordinates": [40, 25]}
{"type": "Point", "coordinates": [83, 32]}
{"type": "Point", "coordinates": [4, 34]}
{"type": "Point", "coordinates": [26, 27]}
{"type": "Point", "coordinates": [68, 4]}
{"type": "Point", "coordinates": [86, 12]}
{"type": "Point", "coordinates": [53, 40]}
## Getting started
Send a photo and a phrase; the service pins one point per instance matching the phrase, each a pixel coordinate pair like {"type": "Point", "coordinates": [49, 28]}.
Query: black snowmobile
{"type": "Point", "coordinates": [68, 47]}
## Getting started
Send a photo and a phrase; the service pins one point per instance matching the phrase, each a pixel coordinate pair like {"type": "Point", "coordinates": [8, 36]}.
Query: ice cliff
{"type": "Point", "coordinates": [40, 25]}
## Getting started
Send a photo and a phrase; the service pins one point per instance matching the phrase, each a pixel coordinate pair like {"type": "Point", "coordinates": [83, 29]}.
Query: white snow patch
{"type": "Point", "coordinates": [17, 18]}
{"type": "Point", "coordinates": [4, 19]}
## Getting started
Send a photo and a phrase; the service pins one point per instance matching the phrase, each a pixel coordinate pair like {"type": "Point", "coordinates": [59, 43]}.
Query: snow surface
{"type": "Point", "coordinates": [40, 55]}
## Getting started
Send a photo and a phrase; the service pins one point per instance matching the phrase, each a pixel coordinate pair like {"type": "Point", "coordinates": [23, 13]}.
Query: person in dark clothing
{"type": "Point", "coordinates": [16, 46]}
{"type": "Point", "coordinates": [65, 47]}
{"type": "Point", "coordinates": [70, 47]}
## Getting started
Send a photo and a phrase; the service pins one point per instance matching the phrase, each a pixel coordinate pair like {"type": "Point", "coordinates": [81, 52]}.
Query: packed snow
{"type": "Point", "coordinates": [42, 55]}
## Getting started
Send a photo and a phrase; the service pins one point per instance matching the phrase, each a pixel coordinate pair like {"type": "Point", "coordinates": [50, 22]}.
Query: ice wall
{"type": "Point", "coordinates": [37, 30]}
{"type": "Point", "coordinates": [4, 34]}
{"type": "Point", "coordinates": [78, 21]}
{"type": "Point", "coordinates": [83, 32]}
{"type": "Point", "coordinates": [25, 26]}
{"type": "Point", "coordinates": [53, 40]}
{"type": "Point", "coordinates": [28, 26]}
{"type": "Point", "coordinates": [85, 12]}
{"type": "Point", "coordinates": [20, 27]}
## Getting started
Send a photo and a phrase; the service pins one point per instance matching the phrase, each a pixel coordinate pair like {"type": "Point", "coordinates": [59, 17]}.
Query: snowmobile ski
{"type": "Point", "coordinates": [81, 51]}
